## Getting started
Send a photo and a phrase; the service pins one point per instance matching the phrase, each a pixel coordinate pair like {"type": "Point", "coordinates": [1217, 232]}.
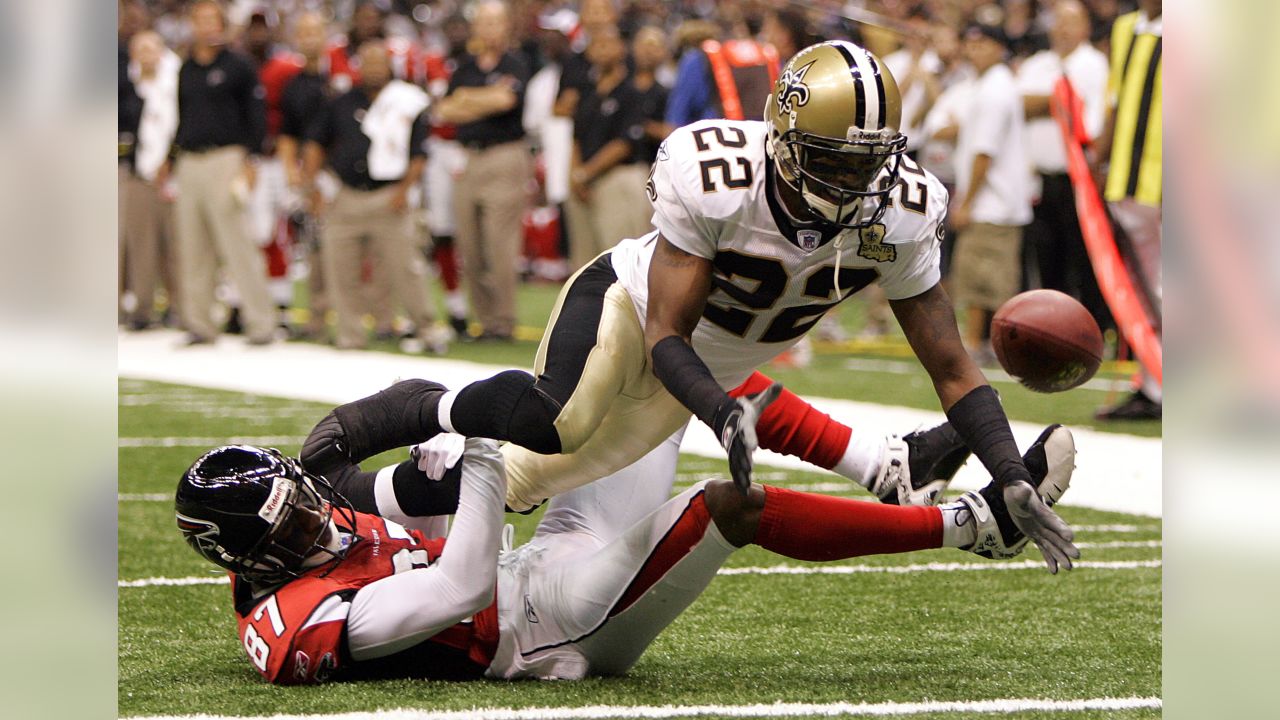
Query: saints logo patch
{"type": "Point", "coordinates": [871, 245]}
{"type": "Point", "coordinates": [794, 92]}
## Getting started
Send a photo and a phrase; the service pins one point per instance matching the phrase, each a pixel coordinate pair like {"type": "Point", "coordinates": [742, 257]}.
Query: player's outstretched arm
{"type": "Point", "coordinates": [397, 612]}
{"type": "Point", "coordinates": [679, 283]}
{"type": "Point", "coordinates": [929, 322]}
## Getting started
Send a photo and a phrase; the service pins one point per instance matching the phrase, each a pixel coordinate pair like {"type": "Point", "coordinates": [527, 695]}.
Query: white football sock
{"type": "Point", "coordinates": [958, 527]}
{"type": "Point", "coordinates": [862, 458]}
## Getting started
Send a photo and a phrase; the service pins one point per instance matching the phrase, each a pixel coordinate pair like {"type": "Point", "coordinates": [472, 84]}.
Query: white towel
{"type": "Point", "coordinates": [388, 123]}
{"type": "Point", "coordinates": [159, 120]}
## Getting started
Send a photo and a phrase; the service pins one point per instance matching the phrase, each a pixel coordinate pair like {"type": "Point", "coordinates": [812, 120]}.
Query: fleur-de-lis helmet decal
{"type": "Point", "coordinates": [794, 92]}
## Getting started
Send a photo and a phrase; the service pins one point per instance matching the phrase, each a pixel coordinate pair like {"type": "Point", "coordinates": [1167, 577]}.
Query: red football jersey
{"type": "Point", "coordinates": [344, 68]}
{"type": "Point", "coordinates": [296, 634]}
{"type": "Point", "coordinates": [274, 75]}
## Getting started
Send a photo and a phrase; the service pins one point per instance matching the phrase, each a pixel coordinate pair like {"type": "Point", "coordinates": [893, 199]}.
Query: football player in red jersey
{"type": "Point", "coordinates": [323, 592]}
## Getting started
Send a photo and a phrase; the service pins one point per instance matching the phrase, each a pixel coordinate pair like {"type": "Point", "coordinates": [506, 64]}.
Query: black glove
{"type": "Point", "coordinates": [735, 424]}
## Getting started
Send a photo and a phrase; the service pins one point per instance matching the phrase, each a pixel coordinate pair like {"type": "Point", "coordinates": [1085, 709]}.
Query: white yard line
{"type": "Point", "coordinates": [771, 570]}
{"type": "Point", "coordinates": [775, 710]}
{"type": "Point", "coordinates": [209, 442]}
{"type": "Point", "coordinates": [1114, 471]}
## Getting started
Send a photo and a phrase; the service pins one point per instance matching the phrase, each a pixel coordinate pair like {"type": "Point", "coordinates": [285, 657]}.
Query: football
{"type": "Point", "coordinates": [1047, 340]}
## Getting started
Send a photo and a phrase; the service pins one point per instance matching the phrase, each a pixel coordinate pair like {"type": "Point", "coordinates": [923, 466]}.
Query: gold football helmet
{"type": "Point", "coordinates": [834, 117]}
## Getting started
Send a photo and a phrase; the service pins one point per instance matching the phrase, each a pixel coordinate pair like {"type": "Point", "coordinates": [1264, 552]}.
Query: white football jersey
{"type": "Point", "coordinates": [713, 196]}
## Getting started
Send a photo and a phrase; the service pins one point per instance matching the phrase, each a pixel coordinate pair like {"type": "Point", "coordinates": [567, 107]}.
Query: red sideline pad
{"type": "Point", "coordinates": [1117, 287]}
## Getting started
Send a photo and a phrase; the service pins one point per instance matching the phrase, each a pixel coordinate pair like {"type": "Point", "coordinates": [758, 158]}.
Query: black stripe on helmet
{"type": "Point", "coordinates": [860, 99]}
{"type": "Point", "coordinates": [880, 71]}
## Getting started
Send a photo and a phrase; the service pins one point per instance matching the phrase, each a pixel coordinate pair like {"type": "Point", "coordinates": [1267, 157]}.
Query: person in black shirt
{"type": "Point", "coordinates": [301, 101]}
{"type": "Point", "coordinates": [649, 52]}
{"type": "Point", "coordinates": [485, 101]}
{"type": "Point", "coordinates": [374, 138]}
{"type": "Point", "coordinates": [606, 180]}
{"type": "Point", "coordinates": [221, 125]}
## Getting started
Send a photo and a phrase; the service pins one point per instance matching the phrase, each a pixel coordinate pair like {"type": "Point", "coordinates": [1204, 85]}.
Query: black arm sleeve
{"type": "Point", "coordinates": [687, 378]}
{"type": "Point", "coordinates": [980, 421]}
{"type": "Point", "coordinates": [417, 495]}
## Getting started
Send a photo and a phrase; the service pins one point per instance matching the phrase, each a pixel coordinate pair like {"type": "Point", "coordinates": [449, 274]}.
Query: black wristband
{"type": "Point", "coordinates": [688, 380]}
{"type": "Point", "coordinates": [420, 496]}
{"type": "Point", "coordinates": [981, 423]}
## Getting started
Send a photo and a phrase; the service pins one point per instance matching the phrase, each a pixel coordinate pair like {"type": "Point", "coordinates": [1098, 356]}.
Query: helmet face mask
{"type": "Point", "coordinates": [845, 185]}
{"type": "Point", "coordinates": [258, 514]}
{"type": "Point", "coordinates": [834, 138]}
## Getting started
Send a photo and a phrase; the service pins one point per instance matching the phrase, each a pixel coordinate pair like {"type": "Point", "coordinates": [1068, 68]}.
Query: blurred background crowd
{"type": "Point", "coordinates": [348, 170]}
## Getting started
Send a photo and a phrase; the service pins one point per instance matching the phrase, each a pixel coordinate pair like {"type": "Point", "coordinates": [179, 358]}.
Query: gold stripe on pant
{"type": "Point", "coordinates": [211, 230]}
{"type": "Point", "coordinates": [489, 201]}
{"type": "Point", "coordinates": [361, 221]}
{"type": "Point", "coordinates": [618, 412]}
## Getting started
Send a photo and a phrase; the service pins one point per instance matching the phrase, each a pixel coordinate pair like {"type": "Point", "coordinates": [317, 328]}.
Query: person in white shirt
{"type": "Point", "coordinates": [993, 190]}
{"type": "Point", "coordinates": [148, 205]}
{"type": "Point", "coordinates": [1054, 236]}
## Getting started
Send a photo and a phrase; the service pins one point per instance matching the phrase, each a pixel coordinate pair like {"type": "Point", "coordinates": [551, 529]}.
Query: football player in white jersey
{"type": "Point", "coordinates": [760, 228]}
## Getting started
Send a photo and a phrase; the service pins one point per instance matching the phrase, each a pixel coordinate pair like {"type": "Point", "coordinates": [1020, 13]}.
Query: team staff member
{"type": "Point", "coordinates": [374, 137]}
{"type": "Point", "coordinates": [607, 201]}
{"type": "Point", "coordinates": [486, 102]}
{"type": "Point", "coordinates": [993, 190]}
{"type": "Point", "coordinates": [221, 123]}
{"type": "Point", "coordinates": [302, 100]}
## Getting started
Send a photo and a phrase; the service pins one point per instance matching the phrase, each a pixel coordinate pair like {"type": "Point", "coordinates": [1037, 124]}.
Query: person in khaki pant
{"type": "Point", "coordinates": [221, 121]}
{"type": "Point", "coordinates": [485, 101]}
{"type": "Point", "coordinates": [147, 208]}
{"type": "Point", "coordinates": [374, 140]}
{"type": "Point", "coordinates": [607, 201]}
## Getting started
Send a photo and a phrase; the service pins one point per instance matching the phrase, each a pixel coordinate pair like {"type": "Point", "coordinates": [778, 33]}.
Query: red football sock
{"type": "Point", "coordinates": [794, 427]}
{"type": "Point", "coordinates": [805, 526]}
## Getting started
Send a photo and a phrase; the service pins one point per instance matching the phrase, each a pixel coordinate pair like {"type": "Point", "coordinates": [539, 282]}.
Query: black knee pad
{"type": "Point", "coordinates": [509, 406]}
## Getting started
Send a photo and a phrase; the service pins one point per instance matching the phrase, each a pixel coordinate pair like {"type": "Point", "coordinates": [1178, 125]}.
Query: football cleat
{"type": "Point", "coordinates": [918, 467]}
{"type": "Point", "coordinates": [1051, 459]}
{"type": "Point", "coordinates": [399, 416]}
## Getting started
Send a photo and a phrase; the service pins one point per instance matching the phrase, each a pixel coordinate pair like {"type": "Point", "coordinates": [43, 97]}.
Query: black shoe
{"type": "Point", "coordinates": [402, 415]}
{"type": "Point", "coordinates": [1136, 407]}
{"type": "Point", "coordinates": [140, 325]}
{"type": "Point", "coordinates": [1051, 460]}
{"type": "Point", "coordinates": [459, 325]}
{"type": "Point", "coordinates": [933, 457]}
{"type": "Point", "coordinates": [234, 326]}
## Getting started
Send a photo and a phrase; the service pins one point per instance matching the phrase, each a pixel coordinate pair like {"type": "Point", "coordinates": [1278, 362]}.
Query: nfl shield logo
{"type": "Point", "coordinates": [809, 239]}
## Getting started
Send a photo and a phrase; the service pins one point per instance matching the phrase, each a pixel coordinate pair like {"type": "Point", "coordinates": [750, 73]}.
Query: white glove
{"type": "Point", "coordinates": [437, 455]}
{"type": "Point", "coordinates": [1049, 532]}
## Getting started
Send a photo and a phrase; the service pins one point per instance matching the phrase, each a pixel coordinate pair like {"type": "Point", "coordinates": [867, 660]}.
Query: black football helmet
{"type": "Point", "coordinates": [257, 513]}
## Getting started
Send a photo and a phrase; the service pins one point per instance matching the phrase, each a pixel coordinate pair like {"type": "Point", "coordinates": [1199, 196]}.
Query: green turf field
{"type": "Point", "coordinates": [874, 637]}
